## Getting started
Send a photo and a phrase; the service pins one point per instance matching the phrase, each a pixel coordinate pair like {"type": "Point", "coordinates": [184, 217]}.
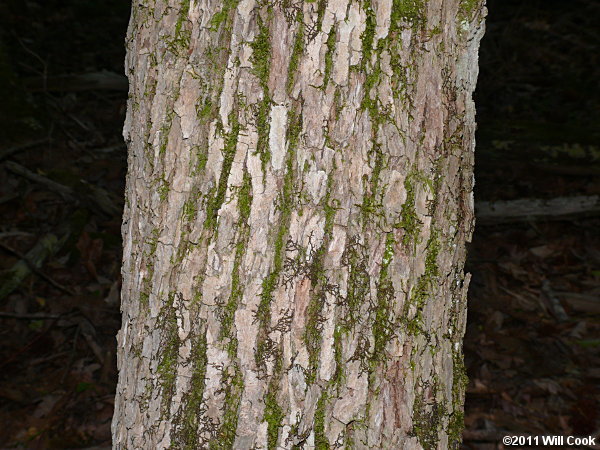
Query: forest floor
{"type": "Point", "coordinates": [532, 346]}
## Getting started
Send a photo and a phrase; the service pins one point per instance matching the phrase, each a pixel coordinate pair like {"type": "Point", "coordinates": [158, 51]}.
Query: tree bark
{"type": "Point", "coordinates": [298, 199]}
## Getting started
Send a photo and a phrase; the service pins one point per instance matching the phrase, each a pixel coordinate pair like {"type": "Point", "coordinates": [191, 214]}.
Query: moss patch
{"type": "Point", "coordinates": [456, 423]}
{"type": "Point", "coordinates": [422, 290]}
{"type": "Point", "coordinates": [467, 9]}
{"type": "Point", "coordinates": [273, 413]}
{"type": "Point", "coordinates": [331, 38]}
{"type": "Point", "coordinates": [321, 442]}
{"type": "Point", "coordinates": [261, 67]}
{"type": "Point", "coordinates": [180, 41]}
{"type": "Point", "coordinates": [409, 220]}
{"type": "Point", "coordinates": [168, 353]}
{"type": "Point", "coordinates": [146, 289]}
{"type": "Point", "coordinates": [297, 51]}
{"type": "Point", "coordinates": [265, 347]}
{"type": "Point", "coordinates": [224, 15]}
{"type": "Point", "coordinates": [357, 292]}
{"type": "Point", "coordinates": [427, 420]}
{"type": "Point", "coordinates": [229, 150]}
{"type": "Point", "coordinates": [410, 12]}
{"type": "Point", "coordinates": [320, 286]}
{"type": "Point", "coordinates": [228, 313]}
{"type": "Point", "coordinates": [163, 189]}
{"type": "Point", "coordinates": [383, 324]}
{"type": "Point", "coordinates": [233, 387]}
{"type": "Point", "coordinates": [187, 421]}
{"type": "Point", "coordinates": [285, 203]}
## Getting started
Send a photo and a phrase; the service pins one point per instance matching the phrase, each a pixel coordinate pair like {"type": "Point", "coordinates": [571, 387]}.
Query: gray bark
{"type": "Point", "coordinates": [298, 200]}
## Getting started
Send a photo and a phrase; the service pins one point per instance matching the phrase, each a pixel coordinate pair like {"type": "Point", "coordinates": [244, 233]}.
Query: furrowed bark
{"type": "Point", "coordinates": [298, 200]}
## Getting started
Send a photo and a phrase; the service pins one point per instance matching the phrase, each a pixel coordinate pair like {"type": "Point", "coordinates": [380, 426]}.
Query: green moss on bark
{"type": "Point", "coordinates": [297, 51]}
{"type": "Point", "coordinates": [468, 9]}
{"type": "Point", "coordinates": [228, 313]}
{"type": "Point", "coordinates": [427, 419]}
{"type": "Point", "coordinates": [423, 288]}
{"type": "Point", "coordinates": [180, 41]}
{"type": "Point", "coordinates": [368, 35]}
{"type": "Point", "coordinates": [411, 12]}
{"type": "Point", "coordinates": [339, 375]}
{"type": "Point", "coordinates": [186, 422]}
{"type": "Point", "coordinates": [265, 348]}
{"type": "Point", "coordinates": [456, 423]}
{"type": "Point", "coordinates": [321, 442]}
{"type": "Point", "coordinates": [214, 204]}
{"type": "Point", "coordinates": [409, 220]}
{"type": "Point", "coordinates": [233, 387]}
{"type": "Point", "coordinates": [261, 67]}
{"type": "Point", "coordinates": [357, 292]}
{"type": "Point", "coordinates": [383, 325]}
{"type": "Point", "coordinates": [320, 286]}
{"type": "Point", "coordinates": [273, 413]}
{"type": "Point", "coordinates": [331, 39]}
{"type": "Point", "coordinates": [168, 353]}
{"type": "Point", "coordinates": [285, 204]}
{"type": "Point", "coordinates": [224, 16]}
{"type": "Point", "coordinates": [163, 189]}
{"type": "Point", "coordinates": [146, 289]}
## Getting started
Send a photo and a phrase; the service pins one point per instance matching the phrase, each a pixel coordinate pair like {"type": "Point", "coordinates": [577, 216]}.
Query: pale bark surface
{"type": "Point", "coordinates": [298, 200]}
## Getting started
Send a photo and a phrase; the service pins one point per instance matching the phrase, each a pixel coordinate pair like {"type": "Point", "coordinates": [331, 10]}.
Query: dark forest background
{"type": "Point", "coordinates": [533, 334]}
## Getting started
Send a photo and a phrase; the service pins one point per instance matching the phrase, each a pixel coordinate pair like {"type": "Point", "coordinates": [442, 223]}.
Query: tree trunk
{"type": "Point", "coordinates": [298, 200]}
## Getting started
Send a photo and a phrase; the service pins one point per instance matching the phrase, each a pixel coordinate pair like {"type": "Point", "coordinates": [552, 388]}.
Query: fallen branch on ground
{"type": "Point", "coordinates": [528, 209]}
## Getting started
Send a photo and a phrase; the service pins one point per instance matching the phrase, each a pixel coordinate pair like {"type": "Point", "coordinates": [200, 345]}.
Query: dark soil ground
{"type": "Point", "coordinates": [533, 334]}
